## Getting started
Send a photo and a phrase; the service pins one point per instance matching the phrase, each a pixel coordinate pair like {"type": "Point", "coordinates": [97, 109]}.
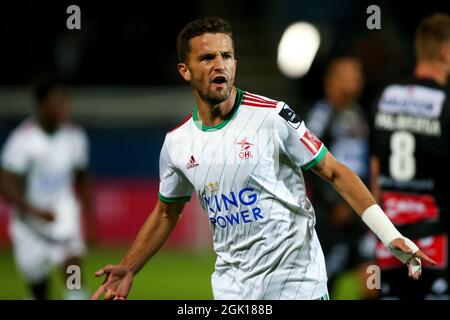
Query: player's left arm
{"type": "Point", "coordinates": [374, 177]}
{"type": "Point", "coordinates": [353, 190]}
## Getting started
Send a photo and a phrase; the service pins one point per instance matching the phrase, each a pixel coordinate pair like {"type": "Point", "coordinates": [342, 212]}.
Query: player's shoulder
{"type": "Point", "coordinates": [25, 129]}
{"type": "Point", "coordinates": [263, 103]}
{"type": "Point", "coordinates": [277, 109]}
{"type": "Point", "coordinates": [263, 106]}
{"type": "Point", "coordinates": [259, 102]}
{"type": "Point", "coordinates": [176, 136]}
{"type": "Point", "coordinates": [74, 130]}
{"type": "Point", "coordinates": [420, 88]}
{"type": "Point", "coordinates": [419, 97]}
{"type": "Point", "coordinates": [180, 128]}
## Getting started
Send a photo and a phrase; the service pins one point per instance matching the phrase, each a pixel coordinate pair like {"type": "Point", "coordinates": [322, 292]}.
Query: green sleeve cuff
{"type": "Point", "coordinates": [175, 199]}
{"type": "Point", "coordinates": [316, 160]}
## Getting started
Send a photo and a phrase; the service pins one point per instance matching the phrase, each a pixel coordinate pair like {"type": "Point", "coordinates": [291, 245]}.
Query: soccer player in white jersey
{"type": "Point", "coordinates": [243, 154]}
{"type": "Point", "coordinates": [41, 161]}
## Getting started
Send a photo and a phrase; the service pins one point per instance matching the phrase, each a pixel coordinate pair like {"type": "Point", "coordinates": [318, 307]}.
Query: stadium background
{"type": "Point", "coordinates": [127, 93]}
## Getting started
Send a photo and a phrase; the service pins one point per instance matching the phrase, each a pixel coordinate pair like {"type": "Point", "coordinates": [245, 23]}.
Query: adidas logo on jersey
{"type": "Point", "coordinates": [192, 163]}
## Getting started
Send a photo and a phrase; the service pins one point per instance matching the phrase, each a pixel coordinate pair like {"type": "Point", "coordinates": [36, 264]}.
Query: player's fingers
{"type": "Point", "coordinates": [419, 254]}
{"type": "Point", "coordinates": [110, 295]}
{"type": "Point", "coordinates": [100, 272]}
{"type": "Point", "coordinates": [98, 293]}
{"type": "Point", "coordinates": [413, 274]}
{"type": "Point", "coordinates": [106, 269]}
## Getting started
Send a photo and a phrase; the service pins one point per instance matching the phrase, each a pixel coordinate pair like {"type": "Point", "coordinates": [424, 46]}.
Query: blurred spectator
{"type": "Point", "coordinates": [41, 159]}
{"type": "Point", "coordinates": [338, 120]}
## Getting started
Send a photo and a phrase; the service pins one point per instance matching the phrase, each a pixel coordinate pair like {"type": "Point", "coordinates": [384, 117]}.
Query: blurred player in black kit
{"type": "Point", "coordinates": [410, 163]}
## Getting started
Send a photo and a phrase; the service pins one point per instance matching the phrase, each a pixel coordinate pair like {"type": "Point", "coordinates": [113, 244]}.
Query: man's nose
{"type": "Point", "coordinates": [219, 63]}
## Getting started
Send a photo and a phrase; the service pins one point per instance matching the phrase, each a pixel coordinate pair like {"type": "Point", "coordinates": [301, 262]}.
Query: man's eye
{"type": "Point", "coordinates": [207, 58]}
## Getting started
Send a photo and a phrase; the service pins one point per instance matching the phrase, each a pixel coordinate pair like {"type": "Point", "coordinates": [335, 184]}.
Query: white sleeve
{"type": "Point", "coordinates": [173, 186]}
{"type": "Point", "coordinates": [81, 150]}
{"type": "Point", "coordinates": [15, 155]}
{"type": "Point", "coordinates": [299, 144]}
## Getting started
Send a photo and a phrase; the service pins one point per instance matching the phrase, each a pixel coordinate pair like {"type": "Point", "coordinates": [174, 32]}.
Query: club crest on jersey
{"type": "Point", "coordinates": [212, 187]}
{"type": "Point", "coordinates": [245, 152]}
{"type": "Point", "coordinates": [289, 115]}
{"type": "Point", "coordinates": [192, 163]}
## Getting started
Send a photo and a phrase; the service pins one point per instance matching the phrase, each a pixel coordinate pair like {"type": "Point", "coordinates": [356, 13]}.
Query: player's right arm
{"type": "Point", "coordinates": [174, 191]}
{"type": "Point", "coordinates": [14, 163]}
{"type": "Point", "coordinates": [11, 186]}
{"type": "Point", "coordinates": [149, 240]}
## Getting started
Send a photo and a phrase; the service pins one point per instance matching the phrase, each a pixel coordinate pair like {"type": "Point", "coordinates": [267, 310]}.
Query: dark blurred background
{"type": "Point", "coordinates": [126, 91]}
{"type": "Point", "coordinates": [133, 43]}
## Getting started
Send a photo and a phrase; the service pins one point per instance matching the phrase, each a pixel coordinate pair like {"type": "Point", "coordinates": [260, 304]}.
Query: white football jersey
{"type": "Point", "coordinates": [247, 173]}
{"type": "Point", "coordinates": [47, 162]}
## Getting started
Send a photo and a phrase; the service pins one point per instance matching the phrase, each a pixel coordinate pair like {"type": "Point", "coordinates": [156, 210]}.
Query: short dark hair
{"type": "Point", "coordinates": [431, 33]}
{"type": "Point", "coordinates": [44, 87]}
{"type": "Point", "coordinates": [197, 28]}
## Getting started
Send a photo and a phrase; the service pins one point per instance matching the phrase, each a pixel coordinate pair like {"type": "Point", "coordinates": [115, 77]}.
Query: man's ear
{"type": "Point", "coordinates": [444, 52]}
{"type": "Point", "coordinates": [184, 71]}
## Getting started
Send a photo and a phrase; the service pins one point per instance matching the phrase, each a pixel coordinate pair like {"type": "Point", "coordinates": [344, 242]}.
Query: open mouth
{"type": "Point", "coordinates": [219, 80]}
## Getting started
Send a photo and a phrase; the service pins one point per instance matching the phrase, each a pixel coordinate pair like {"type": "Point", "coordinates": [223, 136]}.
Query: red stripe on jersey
{"type": "Point", "coordinates": [184, 121]}
{"type": "Point", "coordinates": [258, 100]}
{"type": "Point", "coordinates": [311, 142]}
{"type": "Point", "coordinates": [261, 102]}
{"type": "Point", "coordinates": [250, 95]}
{"type": "Point", "coordinates": [261, 105]}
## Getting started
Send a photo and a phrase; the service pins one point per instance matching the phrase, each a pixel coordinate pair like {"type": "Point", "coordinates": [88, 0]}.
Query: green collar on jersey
{"type": "Point", "coordinates": [229, 116]}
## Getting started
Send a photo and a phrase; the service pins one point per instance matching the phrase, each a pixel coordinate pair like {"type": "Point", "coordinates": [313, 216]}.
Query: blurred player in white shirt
{"type": "Point", "coordinates": [42, 163]}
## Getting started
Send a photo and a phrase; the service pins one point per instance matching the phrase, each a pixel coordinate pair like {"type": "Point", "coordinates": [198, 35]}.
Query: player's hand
{"type": "Point", "coordinates": [407, 252]}
{"type": "Point", "coordinates": [117, 283]}
{"type": "Point", "coordinates": [45, 215]}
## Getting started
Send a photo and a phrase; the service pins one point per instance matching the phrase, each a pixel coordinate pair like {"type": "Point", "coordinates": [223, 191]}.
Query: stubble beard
{"type": "Point", "coordinates": [213, 98]}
